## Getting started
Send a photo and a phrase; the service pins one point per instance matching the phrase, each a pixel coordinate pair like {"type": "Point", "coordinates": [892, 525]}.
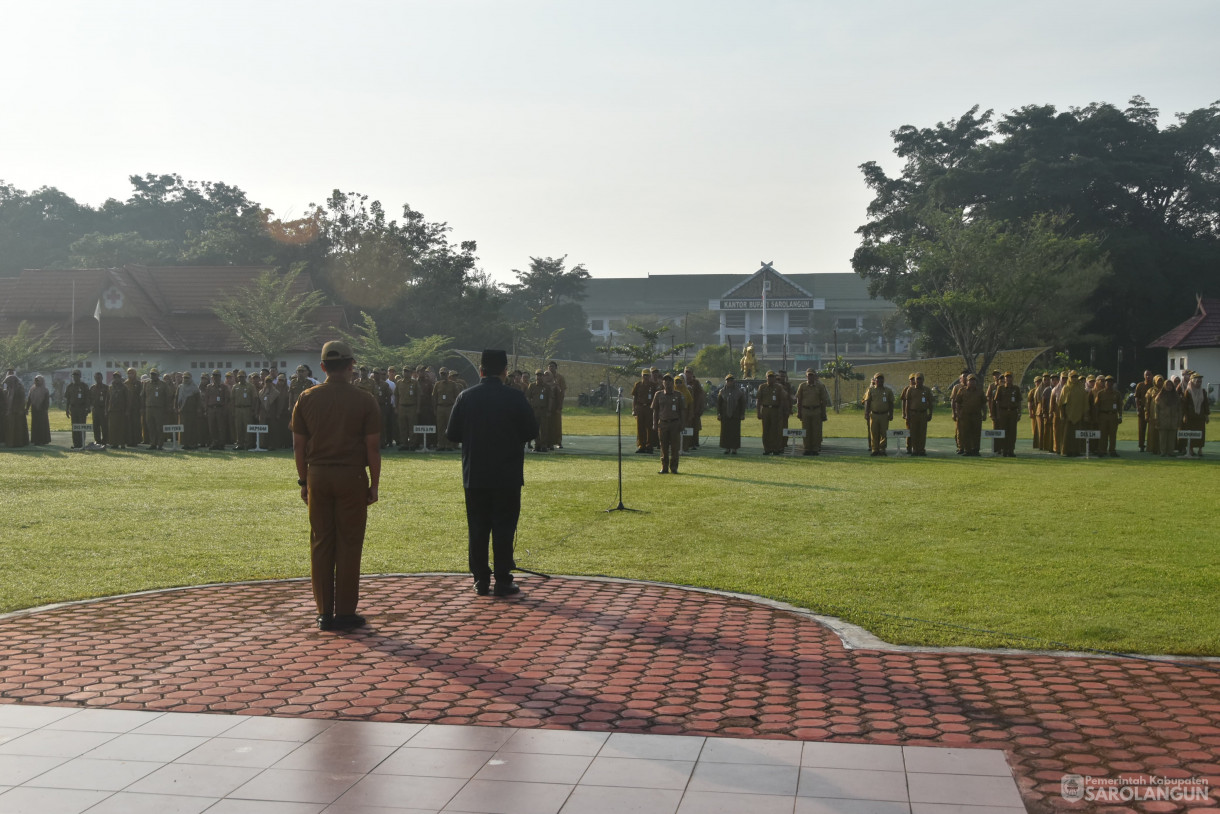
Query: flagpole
{"type": "Point", "coordinates": [72, 335]}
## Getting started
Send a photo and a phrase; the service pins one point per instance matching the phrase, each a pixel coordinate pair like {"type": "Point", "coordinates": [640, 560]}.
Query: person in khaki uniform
{"type": "Point", "coordinates": [189, 401]}
{"type": "Point", "coordinates": [116, 420]}
{"type": "Point", "coordinates": [241, 405]}
{"type": "Point", "coordinates": [1141, 407]}
{"type": "Point", "coordinates": [730, 411]}
{"type": "Point", "coordinates": [444, 394]}
{"type": "Point", "coordinates": [336, 431]}
{"type": "Point", "coordinates": [641, 408]}
{"type": "Point", "coordinates": [771, 404]}
{"type": "Point", "coordinates": [77, 406]}
{"type": "Point", "coordinates": [216, 409]}
{"type": "Point", "coordinates": [406, 406]}
{"type": "Point", "coordinates": [1196, 413]}
{"type": "Point", "coordinates": [1107, 415]}
{"type": "Point", "coordinates": [669, 419]}
{"type": "Point", "coordinates": [1033, 399]}
{"type": "Point", "coordinates": [1006, 414]}
{"type": "Point", "coordinates": [969, 410]}
{"type": "Point", "coordinates": [99, 405]}
{"type": "Point", "coordinates": [698, 404]}
{"type": "Point", "coordinates": [681, 388]}
{"type": "Point", "coordinates": [917, 412]}
{"type": "Point", "coordinates": [957, 386]}
{"type": "Point", "coordinates": [561, 392]}
{"type": "Point", "coordinates": [878, 412]}
{"type": "Point", "coordinates": [812, 399]}
{"type": "Point", "coordinates": [541, 397]}
{"type": "Point", "coordinates": [1168, 418]}
{"type": "Point", "coordinates": [158, 408]}
{"type": "Point", "coordinates": [1073, 408]}
{"type": "Point", "coordinates": [135, 404]}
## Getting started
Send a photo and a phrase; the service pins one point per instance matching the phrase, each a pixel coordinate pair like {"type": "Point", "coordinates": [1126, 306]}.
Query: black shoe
{"type": "Point", "coordinates": [348, 621]}
{"type": "Point", "coordinates": [326, 621]}
{"type": "Point", "coordinates": [502, 589]}
{"type": "Point", "coordinates": [482, 587]}
{"type": "Point", "coordinates": [663, 472]}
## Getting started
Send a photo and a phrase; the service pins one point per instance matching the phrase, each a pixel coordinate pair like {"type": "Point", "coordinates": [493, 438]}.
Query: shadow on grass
{"type": "Point", "coordinates": [812, 487]}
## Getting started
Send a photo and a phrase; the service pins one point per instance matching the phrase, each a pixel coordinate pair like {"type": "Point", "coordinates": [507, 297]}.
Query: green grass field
{"type": "Point", "coordinates": [1115, 554]}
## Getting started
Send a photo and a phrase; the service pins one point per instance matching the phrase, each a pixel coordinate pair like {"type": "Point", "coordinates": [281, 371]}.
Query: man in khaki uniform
{"type": "Point", "coordinates": [337, 436]}
{"type": "Point", "coordinates": [1107, 415]}
{"type": "Point", "coordinates": [771, 404]}
{"type": "Point", "coordinates": [1031, 404]}
{"type": "Point", "coordinates": [117, 423]}
{"type": "Point", "coordinates": [444, 394]}
{"type": "Point", "coordinates": [1073, 409]}
{"type": "Point", "coordinates": [99, 405]}
{"type": "Point", "coordinates": [668, 411]}
{"type": "Point", "coordinates": [1006, 414]}
{"type": "Point", "coordinates": [135, 406]}
{"type": "Point", "coordinates": [1141, 407]}
{"type": "Point", "coordinates": [878, 412]}
{"type": "Point", "coordinates": [241, 404]}
{"type": "Point", "coordinates": [969, 410]}
{"type": "Point", "coordinates": [917, 412]}
{"type": "Point", "coordinates": [406, 403]}
{"type": "Point", "coordinates": [812, 399]}
{"type": "Point", "coordinates": [76, 405]}
{"type": "Point", "coordinates": [541, 398]}
{"type": "Point", "coordinates": [158, 407]}
{"type": "Point", "coordinates": [641, 407]}
{"type": "Point", "coordinates": [958, 385]}
{"type": "Point", "coordinates": [561, 391]}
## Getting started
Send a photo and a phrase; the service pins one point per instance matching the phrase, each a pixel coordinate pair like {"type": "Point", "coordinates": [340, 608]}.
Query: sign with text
{"type": "Point", "coordinates": [781, 304]}
{"type": "Point", "coordinates": [170, 429]}
{"type": "Point", "coordinates": [993, 433]}
{"type": "Point", "coordinates": [793, 433]}
{"type": "Point", "coordinates": [82, 428]}
{"type": "Point", "coordinates": [1195, 435]}
{"type": "Point", "coordinates": [257, 428]}
{"type": "Point", "coordinates": [897, 433]}
{"type": "Point", "coordinates": [424, 429]}
{"type": "Point", "coordinates": [689, 431]}
{"type": "Point", "coordinates": [1088, 434]}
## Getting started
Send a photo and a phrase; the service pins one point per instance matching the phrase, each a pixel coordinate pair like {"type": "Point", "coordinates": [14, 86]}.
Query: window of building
{"type": "Point", "coordinates": [735, 319]}
{"type": "Point", "coordinates": [798, 319]}
{"type": "Point", "coordinates": [847, 323]}
{"type": "Point", "coordinates": [597, 325]}
{"type": "Point", "coordinates": [1171, 364]}
{"type": "Point", "coordinates": [1182, 363]}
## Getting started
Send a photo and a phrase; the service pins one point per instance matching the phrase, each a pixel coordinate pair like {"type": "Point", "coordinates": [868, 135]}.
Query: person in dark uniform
{"type": "Point", "coordinates": [38, 404]}
{"type": "Point", "coordinates": [493, 422]}
{"type": "Point", "coordinates": [77, 406]}
{"type": "Point", "coordinates": [641, 408]}
{"type": "Point", "coordinates": [135, 405]}
{"type": "Point", "coordinates": [158, 407]}
{"type": "Point", "coordinates": [668, 418]}
{"type": "Point", "coordinates": [1006, 414]}
{"type": "Point", "coordinates": [99, 405]}
{"type": "Point", "coordinates": [336, 431]}
{"type": "Point", "coordinates": [730, 410]}
{"type": "Point", "coordinates": [540, 396]}
{"type": "Point", "coordinates": [17, 432]}
{"type": "Point", "coordinates": [969, 410]}
{"type": "Point", "coordinates": [770, 407]}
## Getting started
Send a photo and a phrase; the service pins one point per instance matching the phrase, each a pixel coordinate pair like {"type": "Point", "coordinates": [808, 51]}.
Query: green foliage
{"type": "Point", "coordinates": [714, 361]}
{"type": "Point", "coordinates": [645, 354]}
{"type": "Point", "coordinates": [543, 311]}
{"type": "Point", "coordinates": [371, 351]}
{"type": "Point", "coordinates": [268, 317]}
{"type": "Point", "coordinates": [25, 350]}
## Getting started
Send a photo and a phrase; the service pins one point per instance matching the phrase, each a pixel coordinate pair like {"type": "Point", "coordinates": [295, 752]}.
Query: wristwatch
{"type": "Point", "coordinates": [302, 483]}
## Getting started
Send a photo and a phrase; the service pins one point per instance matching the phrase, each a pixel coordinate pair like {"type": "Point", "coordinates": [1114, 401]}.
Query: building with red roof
{"type": "Point", "coordinates": [1195, 345]}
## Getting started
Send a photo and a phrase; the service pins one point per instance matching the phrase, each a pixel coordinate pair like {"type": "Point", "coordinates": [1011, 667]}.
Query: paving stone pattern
{"type": "Point", "coordinates": [612, 656]}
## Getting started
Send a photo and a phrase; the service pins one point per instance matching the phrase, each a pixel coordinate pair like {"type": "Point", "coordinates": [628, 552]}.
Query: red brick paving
{"type": "Point", "coordinates": [577, 654]}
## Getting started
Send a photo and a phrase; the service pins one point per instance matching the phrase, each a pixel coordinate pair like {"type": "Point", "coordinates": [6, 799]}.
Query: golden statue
{"type": "Point", "coordinates": [748, 362]}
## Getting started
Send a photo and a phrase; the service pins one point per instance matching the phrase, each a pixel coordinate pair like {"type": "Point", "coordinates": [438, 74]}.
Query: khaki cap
{"type": "Point", "coordinates": [336, 351]}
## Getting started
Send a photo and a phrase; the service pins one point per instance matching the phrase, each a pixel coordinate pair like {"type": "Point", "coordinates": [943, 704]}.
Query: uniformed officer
{"type": "Point", "coordinates": [1107, 415]}
{"type": "Point", "coordinates": [668, 417]}
{"type": "Point", "coordinates": [1073, 408]}
{"type": "Point", "coordinates": [917, 412]}
{"type": "Point", "coordinates": [99, 400]}
{"type": "Point", "coordinates": [77, 406]}
{"type": "Point", "coordinates": [241, 405]}
{"type": "Point", "coordinates": [541, 399]}
{"type": "Point", "coordinates": [1141, 407]}
{"type": "Point", "coordinates": [189, 401]}
{"type": "Point", "coordinates": [444, 394]}
{"type": "Point", "coordinates": [641, 407]}
{"type": "Point", "coordinates": [157, 409]}
{"type": "Point", "coordinates": [812, 399]}
{"type": "Point", "coordinates": [1031, 405]}
{"type": "Point", "coordinates": [730, 410]}
{"type": "Point", "coordinates": [1006, 414]}
{"type": "Point", "coordinates": [878, 412]}
{"type": "Point", "coordinates": [406, 407]}
{"type": "Point", "coordinates": [561, 391]}
{"type": "Point", "coordinates": [969, 410]}
{"type": "Point", "coordinates": [135, 405]}
{"type": "Point", "coordinates": [116, 419]}
{"type": "Point", "coordinates": [1196, 413]}
{"type": "Point", "coordinates": [771, 403]}
{"type": "Point", "coordinates": [698, 406]}
{"type": "Point", "coordinates": [216, 397]}
{"type": "Point", "coordinates": [958, 385]}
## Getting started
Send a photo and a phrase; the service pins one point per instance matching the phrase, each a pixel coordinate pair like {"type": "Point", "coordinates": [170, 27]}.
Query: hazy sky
{"type": "Point", "coordinates": [634, 136]}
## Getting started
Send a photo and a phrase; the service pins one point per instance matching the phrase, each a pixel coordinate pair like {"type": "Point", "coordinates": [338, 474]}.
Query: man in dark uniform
{"type": "Point", "coordinates": [77, 406]}
{"type": "Point", "coordinates": [444, 395]}
{"type": "Point", "coordinates": [99, 400]}
{"type": "Point", "coordinates": [336, 431]}
{"type": "Point", "coordinates": [668, 409]}
{"type": "Point", "coordinates": [241, 406]}
{"type": "Point", "coordinates": [1006, 412]}
{"type": "Point", "coordinates": [969, 410]}
{"type": "Point", "coordinates": [541, 398]}
{"type": "Point", "coordinates": [116, 423]}
{"type": "Point", "coordinates": [216, 398]}
{"type": "Point", "coordinates": [135, 405]}
{"type": "Point", "coordinates": [730, 410]}
{"type": "Point", "coordinates": [493, 422]}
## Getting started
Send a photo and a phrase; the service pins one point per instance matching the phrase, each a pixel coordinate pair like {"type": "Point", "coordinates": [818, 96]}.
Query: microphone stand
{"type": "Point", "coordinates": [618, 408]}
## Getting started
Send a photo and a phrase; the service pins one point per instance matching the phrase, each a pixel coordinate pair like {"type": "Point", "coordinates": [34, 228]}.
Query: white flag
{"type": "Point", "coordinates": [97, 312]}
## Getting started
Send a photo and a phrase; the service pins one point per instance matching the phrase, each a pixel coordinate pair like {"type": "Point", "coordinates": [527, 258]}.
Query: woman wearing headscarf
{"type": "Point", "coordinates": [1169, 418]}
{"type": "Point", "coordinates": [18, 432]}
{"type": "Point", "coordinates": [1154, 434]}
{"type": "Point", "coordinates": [38, 402]}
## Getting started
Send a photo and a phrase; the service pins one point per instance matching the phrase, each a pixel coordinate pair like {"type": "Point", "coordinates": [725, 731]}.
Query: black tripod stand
{"type": "Point", "coordinates": [618, 408]}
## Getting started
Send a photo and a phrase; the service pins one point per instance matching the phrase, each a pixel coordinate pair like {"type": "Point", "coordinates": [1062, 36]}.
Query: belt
{"type": "Point", "coordinates": [666, 420]}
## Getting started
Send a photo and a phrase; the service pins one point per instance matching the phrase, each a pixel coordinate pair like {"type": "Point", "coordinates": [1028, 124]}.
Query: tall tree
{"type": "Point", "coordinates": [26, 350]}
{"type": "Point", "coordinates": [543, 307]}
{"type": "Point", "coordinates": [37, 228]}
{"type": "Point", "coordinates": [1151, 194]}
{"type": "Point", "coordinates": [646, 353]}
{"type": "Point", "coordinates": [268, 316]}
{"type": "Point", "coordinates": [371, 350]}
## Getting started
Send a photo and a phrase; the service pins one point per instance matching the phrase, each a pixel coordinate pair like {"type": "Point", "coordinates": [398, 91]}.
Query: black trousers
{"type": "Point", "coordinates": [491, 515]}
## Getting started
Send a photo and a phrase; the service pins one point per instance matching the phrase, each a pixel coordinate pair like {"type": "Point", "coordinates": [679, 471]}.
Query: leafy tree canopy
{"type": "Point", "coordinates": [268, 317]}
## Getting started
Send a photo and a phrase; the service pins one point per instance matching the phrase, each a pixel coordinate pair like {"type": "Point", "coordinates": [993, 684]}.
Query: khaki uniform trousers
{"type": "Point", "coordinates": [338, 512]}
{"type": "Point", "coordinates": [670, 435]}
{"type": "Point", "coordinates": [813, 429]}
{"type": "Point", "coordinates": [917, 423]}
{"type": "Point", "coordinates": [878, 423]}
{"type": "Point", "coordinates": [643, 427]}
{"type": "Point", "coordinates": [772, 428]}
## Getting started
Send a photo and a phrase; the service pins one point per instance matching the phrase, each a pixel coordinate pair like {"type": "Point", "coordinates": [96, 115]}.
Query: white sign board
{"type": "Point", "coordinates": [424, 429]}
{"type": "Point", "coordinates": [794, 433]}
{"type": "Point", "coordinates": [689, 431]}
{"type": "Point", "coordinates": [170, 429]}
{"type": "Point", "coordinates": [82, 427]}
{"type": "Point", "coordinates": [993, 433]}
{"type": "Point", "coordinates": [1191, 434]}
{"type": "Point", "coordinates": [257, 428]}
{"type": "Point", "coordinates": [1088, 433]}
{"type": "Point", "coordinates": [897, 433]}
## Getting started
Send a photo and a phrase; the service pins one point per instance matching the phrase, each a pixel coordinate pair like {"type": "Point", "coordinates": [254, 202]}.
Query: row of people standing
{"type": "Point", "coordinates": [1166, 405]}
{"type": "Point", "coordinates": [24, 415]}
